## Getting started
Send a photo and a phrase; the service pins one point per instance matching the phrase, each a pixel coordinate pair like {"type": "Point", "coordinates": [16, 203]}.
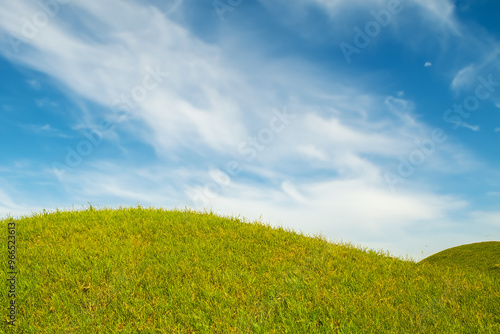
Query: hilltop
{"type": "Point", "coordinates": [481, 257]}
{"type": "Point", "coordinates": [135, 270]}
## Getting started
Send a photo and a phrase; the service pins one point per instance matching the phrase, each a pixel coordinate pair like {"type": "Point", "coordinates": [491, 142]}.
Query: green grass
{"type": "Point", "coordinates": [481, 256]}
{"type": "Point", "coordinates": [137, 270]}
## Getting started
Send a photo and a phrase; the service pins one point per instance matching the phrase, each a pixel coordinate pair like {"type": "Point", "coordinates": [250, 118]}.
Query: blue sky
{"type": "Point", "coordinates": [373, 122]}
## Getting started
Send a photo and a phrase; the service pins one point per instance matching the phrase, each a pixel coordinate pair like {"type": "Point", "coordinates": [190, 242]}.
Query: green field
{"type": "Point", "coordinates": [136, 270]}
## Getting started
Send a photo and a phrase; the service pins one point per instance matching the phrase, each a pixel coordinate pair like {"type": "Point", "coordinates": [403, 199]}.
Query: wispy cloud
{"type": "Point", "coordinates": [35, 84]}
{"type": "Point", "coordinates": [45, 129]}
{"type": "Point", "coordinates": [464, 79]}
{"type": "Point", "coordinates": [103, 74]}
{"type": "Point", "coordinates": [311, 151]}
{"type": "Point", "coordinates": [442, 13]}
{"type": "Point", "coordinates": [45, 102]}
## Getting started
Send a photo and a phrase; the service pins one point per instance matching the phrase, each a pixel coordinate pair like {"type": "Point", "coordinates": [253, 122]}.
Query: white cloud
{"type": "Point", "coordinates": [427, 64]}
{"type": "Point", "coordinates": [442, 12]}
{"type": "Point", "coordinates": [104, 72]}
{"type": "Point", "coordinates": [497, 129]}
{"type": "Point", "coordinates": [199, 105]}
{"type": "Point", "coordinates": [45, 129]}
{"type": "Point", "coordinates": [464, 79]}
{"type": "Point", "coordinates": [11, 204]}
{"type": "Point", "coordinates": [311, 151]}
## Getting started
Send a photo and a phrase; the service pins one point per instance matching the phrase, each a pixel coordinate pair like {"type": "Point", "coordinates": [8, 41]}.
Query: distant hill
{"type": "Point", "coordinates": [135, 270]}
{"type": "Point", "coordinates": [481, 256]}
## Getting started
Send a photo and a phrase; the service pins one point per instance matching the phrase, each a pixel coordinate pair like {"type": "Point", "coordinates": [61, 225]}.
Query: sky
{"type": "Point", "coordinates": [370, 122]}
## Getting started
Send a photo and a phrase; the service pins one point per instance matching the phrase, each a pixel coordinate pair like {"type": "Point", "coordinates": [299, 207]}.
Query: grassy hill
{"type": "Point", "coordinates": [137, 270]}
{"type": "Point", "coordinates": [481, 256]}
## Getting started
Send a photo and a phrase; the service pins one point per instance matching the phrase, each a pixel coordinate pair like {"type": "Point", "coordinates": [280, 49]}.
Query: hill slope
{"type": "Point", "coordinates": [140, 270]}
{"type": "Point", "coordinates": [481, 256]}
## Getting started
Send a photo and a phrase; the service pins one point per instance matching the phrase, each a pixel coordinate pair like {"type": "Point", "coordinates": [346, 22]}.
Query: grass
{"type": "Point", "coordinates": [136, 270]}
{"type": "Point", "coordinates": [481, 257]}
